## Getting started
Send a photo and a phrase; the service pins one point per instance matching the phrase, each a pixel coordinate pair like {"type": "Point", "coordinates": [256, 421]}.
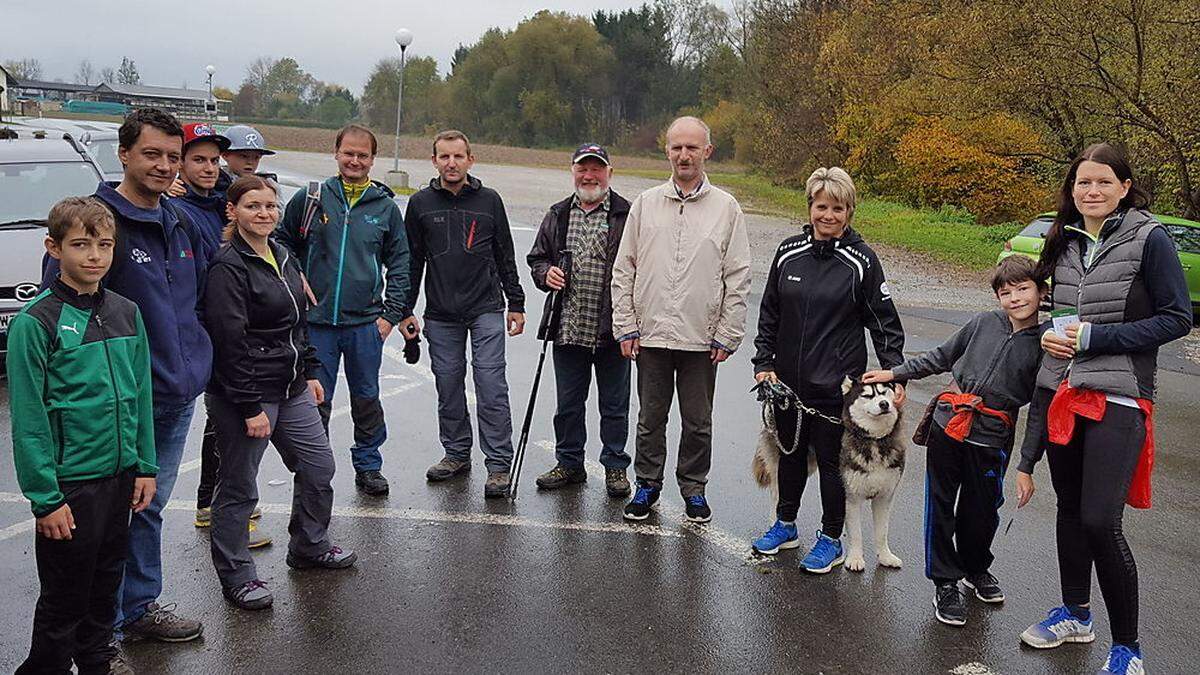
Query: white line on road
{"type": "Point", "coordinates": [973, 668]}
{"type": "Point", "coordinates": [727, 543]}
{"type": "Point", "coordinates": [410, 514]}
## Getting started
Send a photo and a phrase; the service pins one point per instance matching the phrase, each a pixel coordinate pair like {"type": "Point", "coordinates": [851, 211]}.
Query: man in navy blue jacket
{"type": "Point", "coordinates": [159, 263]}
{"type": "Point", "coordinates": [201, 201]}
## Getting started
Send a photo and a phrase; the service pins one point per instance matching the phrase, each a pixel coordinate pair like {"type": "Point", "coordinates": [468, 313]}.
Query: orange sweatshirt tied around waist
{"type": "Point", "coordinates": [965, 407]}
{"type": "Point", "coordinates": [1070, 402]}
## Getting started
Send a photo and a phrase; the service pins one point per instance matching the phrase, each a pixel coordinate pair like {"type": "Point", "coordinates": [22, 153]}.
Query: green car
{"type": "Point", "coordinates": [1185, 232]}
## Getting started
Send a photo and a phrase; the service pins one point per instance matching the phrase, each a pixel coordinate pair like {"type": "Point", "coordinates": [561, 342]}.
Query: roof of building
{"type": "Point", "coordinates": [49, 86]}
{"type": "Point", "coordinates": [147, 91]}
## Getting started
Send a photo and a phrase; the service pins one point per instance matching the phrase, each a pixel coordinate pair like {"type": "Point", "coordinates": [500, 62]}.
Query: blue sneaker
{"type": "Point", "coordinates": [697, 510]}
{"type": "Point", "coordinates": [781, 535]}
{"type": "Point", "coordinates": [638, 508]}
{"type": "Point", "coordinates": [1059, 626]}
{"type": "Point", "coordinates": [826, 554]}
{"type": "Point", "coordinates": [1123, 661]}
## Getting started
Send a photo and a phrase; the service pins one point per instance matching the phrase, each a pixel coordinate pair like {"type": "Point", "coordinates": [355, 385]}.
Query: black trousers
{"type": "Point", "coordinates": [964, 490]}
{"type": "Point", "coordinates": [825, 439]}
{"type": "Point", "coordinates": [1091, 476]}
{"type": "Point", "coordinates": [210, 463]}
{"type": "Point", "coordinates": [79, 578]}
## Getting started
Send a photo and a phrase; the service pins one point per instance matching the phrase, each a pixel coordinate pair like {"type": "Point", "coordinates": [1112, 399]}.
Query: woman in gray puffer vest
{"type": "Point", "coordinates": [1115, 269]}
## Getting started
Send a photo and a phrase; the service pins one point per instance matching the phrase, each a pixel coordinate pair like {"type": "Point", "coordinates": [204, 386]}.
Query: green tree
{"type": "Point", "coordinates": [422, 89]}
{"type": "Point", "coordinates": [641, 44]}
{"type": "Point", "coordinates": [541, 83]}
{"type": "Point", "coordinates": [335, 110]}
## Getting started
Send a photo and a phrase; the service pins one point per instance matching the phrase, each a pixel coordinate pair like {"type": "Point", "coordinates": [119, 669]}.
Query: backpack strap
{"type": "Point", "coordinates": [312, 203]}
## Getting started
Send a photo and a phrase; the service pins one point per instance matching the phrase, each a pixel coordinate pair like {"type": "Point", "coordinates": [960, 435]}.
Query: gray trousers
{"type": "Point", "coordinates": [660, 374]}
{"type": "Point", "coordinates": [297, 433]}
{"type": "Point", "coordinates": [448, 360]}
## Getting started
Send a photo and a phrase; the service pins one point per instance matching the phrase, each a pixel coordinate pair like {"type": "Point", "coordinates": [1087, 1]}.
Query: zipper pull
{"type": "Point", "coordinates": [471, 235]}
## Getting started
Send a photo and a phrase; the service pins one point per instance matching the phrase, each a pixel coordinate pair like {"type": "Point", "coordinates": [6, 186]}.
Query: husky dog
{"type": "Point", "coordinates": [872, 461]}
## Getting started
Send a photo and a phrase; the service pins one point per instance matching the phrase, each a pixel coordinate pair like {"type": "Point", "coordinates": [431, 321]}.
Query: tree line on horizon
{"type": "Point", "coordinates": [949, 104]}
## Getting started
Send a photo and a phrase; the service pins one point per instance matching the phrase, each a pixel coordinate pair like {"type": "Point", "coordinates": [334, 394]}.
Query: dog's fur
{"type": "Point", "coordinates": [871, 459]}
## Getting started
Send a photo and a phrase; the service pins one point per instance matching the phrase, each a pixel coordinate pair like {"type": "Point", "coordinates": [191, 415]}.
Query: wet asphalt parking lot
{"type": "Point", "coordinates": [557, 582]}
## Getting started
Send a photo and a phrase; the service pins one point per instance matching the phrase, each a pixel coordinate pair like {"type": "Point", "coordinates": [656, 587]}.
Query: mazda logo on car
{"type": "Point", "coordinates": [26, 292]}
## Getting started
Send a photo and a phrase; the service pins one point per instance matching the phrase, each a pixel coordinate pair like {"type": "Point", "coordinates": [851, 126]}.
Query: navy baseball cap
{"type": "Point", "coordinates": [591, 150]}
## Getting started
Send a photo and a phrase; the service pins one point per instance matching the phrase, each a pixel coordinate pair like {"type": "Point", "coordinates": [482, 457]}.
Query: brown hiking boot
{"type": "Point", "coordinates": [496, 485]}
{"type": "Point", "coordinates": [561, 476]}
{"type": "Point", "coordinates": [616, 483]}
{"type": "Point", "coordinates": [446, 469]}
{"type": "Point", "coordinates": [163, 624]}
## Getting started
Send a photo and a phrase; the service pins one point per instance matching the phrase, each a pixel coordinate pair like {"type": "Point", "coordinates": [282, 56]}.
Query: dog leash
{"type": "Point", "coordinates": [772, 394]}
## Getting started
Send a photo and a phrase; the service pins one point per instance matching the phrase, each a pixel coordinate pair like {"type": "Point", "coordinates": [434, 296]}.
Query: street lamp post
{"type": "Point", "coordinates": [404, 38]}
{"type": "Point", "coordinates": [210, 69]}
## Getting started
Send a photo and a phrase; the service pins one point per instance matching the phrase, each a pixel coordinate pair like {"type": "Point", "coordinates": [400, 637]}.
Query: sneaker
{"type": "Point", "coordinates": [497, 485]}
{"type": "Point", "coordinates": [371, 482]}
{"type": "Point", "coordinates": [561, 476]}
{"type": "Point", "coordinates": [986, 587]}
{"type": "Point", "coordinates": [1059, 626]}
{"type": "Point", "coordinates": [256, 513]}
{"type": "Point", "coordinates": [257, 539]}
{"type": "Point", "coordinates": [118, 663]}
{"type": "Point", "coordinates": [1123, 661]}
{"type": "Point", "coordinates": [162, 624]}
{"type": "Point", "coordinates": [696, 510]}
{"type": "Point", "coordinates": [638, 508]}
{"type": "Point", "coordinates": [781, 536]}
{"type": "Point", "coordinates": [949, 606]}
{"type": "Point", "coordinates": [615, 483]}
{"type": "Point", "coordinates": [251, 595]}
{"type": "Point", "coordinates": [203, 517]}
{"type": "Point", "coordinates": [335, 558]}
{"type": "Point", "coordinates": [446, 469]}
{"type": "Point", "coordinates": [825, 554]}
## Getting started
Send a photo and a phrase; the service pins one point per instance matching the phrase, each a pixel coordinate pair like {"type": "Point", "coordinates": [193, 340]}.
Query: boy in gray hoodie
{"type": "Point", "coordinates": [994, 360]}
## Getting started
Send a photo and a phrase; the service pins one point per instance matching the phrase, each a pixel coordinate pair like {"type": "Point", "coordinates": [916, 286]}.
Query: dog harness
{"type": "Point", "coordinates": [772, 394]}
{"type": "Point", "coordinates": [1090, 404]}
{"type": "Point", "coordinates": [965, 407]}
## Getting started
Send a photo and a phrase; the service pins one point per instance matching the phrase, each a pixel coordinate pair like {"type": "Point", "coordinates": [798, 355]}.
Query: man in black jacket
{"type": "Point", "coordinates": [459, 230]}
{"type": "Point", "coordinates": [588, 225]}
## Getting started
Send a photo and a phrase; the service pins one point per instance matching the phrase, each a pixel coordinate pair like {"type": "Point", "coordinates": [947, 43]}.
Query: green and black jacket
{"type": "Point", "coordinates": [79, 392]}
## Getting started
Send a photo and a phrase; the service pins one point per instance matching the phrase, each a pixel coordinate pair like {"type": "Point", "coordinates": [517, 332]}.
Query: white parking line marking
{"type": "Point", "coordinates": [497, 519]}
{"type": "Point", "coordinates": [973, 668]}
{"type": "Point", "coordinates": [727, 543]}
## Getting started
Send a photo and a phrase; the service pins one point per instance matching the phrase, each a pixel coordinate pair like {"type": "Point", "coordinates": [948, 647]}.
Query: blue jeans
{"type": "Point", "coordinates": [143, 580]}
{"type": "Point", "coordinates": [362, 350]}
{"type": "Point", "coordinates": [573, 378]}
{"type": "Point", "coordinates": [448, 360]}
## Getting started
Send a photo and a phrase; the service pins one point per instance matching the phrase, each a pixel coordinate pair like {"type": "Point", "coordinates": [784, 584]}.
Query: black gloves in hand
{"type": "Point", "coordinates": [412, 349]}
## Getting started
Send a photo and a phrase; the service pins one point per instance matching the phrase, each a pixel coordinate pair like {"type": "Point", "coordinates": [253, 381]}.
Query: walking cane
{"type": "Point", "coordinates": [546, 334]}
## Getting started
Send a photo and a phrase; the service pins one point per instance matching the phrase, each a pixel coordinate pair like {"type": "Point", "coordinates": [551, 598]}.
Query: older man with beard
{"type": "Point", "coordinates": [587, 225]}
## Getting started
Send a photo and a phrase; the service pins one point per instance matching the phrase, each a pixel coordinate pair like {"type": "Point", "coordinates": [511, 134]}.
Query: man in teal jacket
{"type": "Point", "coordinates": [351, 242]}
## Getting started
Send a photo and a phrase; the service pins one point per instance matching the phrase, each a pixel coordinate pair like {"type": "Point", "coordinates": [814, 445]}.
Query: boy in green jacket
{"type": "Point", "coordinates": [83, 438]}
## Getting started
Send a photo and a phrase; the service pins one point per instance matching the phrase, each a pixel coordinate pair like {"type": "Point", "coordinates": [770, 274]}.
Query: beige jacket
{"type": "Point", "coordinates": [682, 271]}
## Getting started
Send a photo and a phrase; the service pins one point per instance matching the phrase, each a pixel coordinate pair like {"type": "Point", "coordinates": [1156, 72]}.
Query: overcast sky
{"type": "Point", "coordinates": [171, 40]}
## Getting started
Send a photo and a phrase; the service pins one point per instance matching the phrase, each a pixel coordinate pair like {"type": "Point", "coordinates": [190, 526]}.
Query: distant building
{"type": "Point", "coordinates": [41, 90]}
{"type": "Point", "coordinates": [182, 102]}
{"type": "Point", "coordinates": [5, 83]}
